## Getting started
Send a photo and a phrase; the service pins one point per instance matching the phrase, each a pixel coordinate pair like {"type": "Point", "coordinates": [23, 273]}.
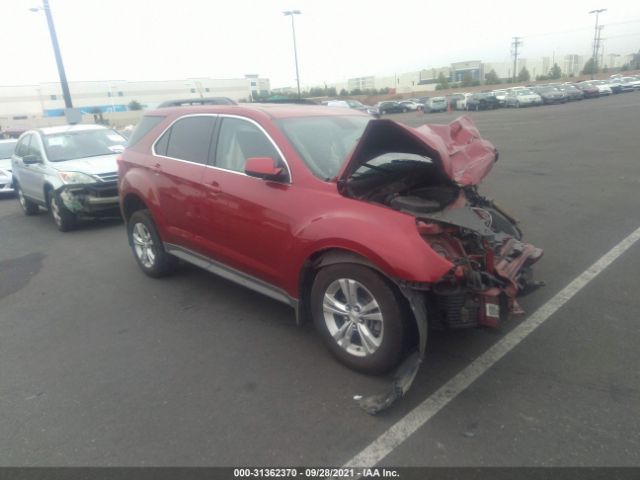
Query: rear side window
{"type": "Point", "coordinates": [144, 126]}
{"type": "Point", "coordinates": [189, 139]}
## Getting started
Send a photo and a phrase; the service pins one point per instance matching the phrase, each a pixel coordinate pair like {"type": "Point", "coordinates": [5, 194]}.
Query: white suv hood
{"type": "Point", "coordinates": [89, 165]}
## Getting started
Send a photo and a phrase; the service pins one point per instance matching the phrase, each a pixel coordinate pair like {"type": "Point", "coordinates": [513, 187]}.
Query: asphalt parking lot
{"type": "Point", "coordinates": [102, 366]}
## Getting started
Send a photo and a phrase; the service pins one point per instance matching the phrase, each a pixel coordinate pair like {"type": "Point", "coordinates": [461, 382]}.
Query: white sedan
{"type": "Point", "coordinates": [522, 97]}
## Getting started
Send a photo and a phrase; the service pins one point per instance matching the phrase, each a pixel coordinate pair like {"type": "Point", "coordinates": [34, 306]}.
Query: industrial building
{"type": "Point", "coordinates": [46, 100]}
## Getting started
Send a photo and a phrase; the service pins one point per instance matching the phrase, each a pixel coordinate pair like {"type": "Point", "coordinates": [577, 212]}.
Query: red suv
{"type": "Point", "coordinates": [367, 226]}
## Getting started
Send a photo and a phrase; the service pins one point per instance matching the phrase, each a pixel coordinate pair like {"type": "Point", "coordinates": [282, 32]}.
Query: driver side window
{"type": "Point", "coordinates": [239, 140]}
{"type": "Point", "coordinates": [34, 147]}
{"type": "Point", "coordinates": [22, 148]}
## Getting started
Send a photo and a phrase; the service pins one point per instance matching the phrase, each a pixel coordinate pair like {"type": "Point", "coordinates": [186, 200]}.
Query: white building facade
{"type": "Point", "coordinates": [46, 99]}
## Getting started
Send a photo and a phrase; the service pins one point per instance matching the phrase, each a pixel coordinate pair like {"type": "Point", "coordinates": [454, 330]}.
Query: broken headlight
{"type": "Point", "coordinates": [76, 177]}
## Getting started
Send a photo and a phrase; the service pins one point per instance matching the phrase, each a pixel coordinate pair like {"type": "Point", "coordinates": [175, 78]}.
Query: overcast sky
{"type": "Point", "coordinates": [337, 39]}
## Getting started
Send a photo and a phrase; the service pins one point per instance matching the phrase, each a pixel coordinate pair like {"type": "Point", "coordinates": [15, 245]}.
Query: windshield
{"type": "Point", "coordinates": [354, 104]}
{"type": "Point", "coordinates": [83, 143]}
{"type": "Point", "coordinates": [6, 149]}
{"type": "Point", "coordinates": [323, 143]}
{"type": "Point", "coordinates": [523, 92]}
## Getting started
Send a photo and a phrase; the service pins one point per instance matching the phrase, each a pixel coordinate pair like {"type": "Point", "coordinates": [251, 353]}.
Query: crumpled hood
{"type": "Point", "coordinates": [89, 165]}
{"type": "Point", "coordinates": [460, 151]}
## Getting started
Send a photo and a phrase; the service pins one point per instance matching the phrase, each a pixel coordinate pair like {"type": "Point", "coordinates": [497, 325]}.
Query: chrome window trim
{"type": "Point", "coordinates": [153, 145]}
{"type": "Point", "coordinates": [221, 115]}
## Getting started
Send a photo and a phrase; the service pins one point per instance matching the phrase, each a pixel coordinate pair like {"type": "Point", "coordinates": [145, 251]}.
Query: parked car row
{"type": "Point", "coordinates": [548, 94]}
{"type": "Point", "coordinates": [521, 96]}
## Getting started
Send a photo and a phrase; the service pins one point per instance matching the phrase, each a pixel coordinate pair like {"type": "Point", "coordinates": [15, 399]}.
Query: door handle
{"type": "Point", "coordinates": [213, 187]}
{"type": "Point", "coordinates": [157, 168]}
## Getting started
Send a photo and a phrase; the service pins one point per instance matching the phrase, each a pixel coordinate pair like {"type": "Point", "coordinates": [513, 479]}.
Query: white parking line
{"type": "Point", "coordinates": [411, 422]}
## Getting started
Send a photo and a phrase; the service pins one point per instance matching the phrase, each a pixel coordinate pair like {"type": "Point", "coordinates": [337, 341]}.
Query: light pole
{"type": "Point", "coordinates": [596, 42]}
{"type": "Point", "coordinates": [293, 13]}
{"type": "Point", "coordinates": [56, 52]}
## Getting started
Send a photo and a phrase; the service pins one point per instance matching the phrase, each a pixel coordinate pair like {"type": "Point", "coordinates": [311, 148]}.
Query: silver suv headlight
{"type": "Point", "coordinates": [76, 177]}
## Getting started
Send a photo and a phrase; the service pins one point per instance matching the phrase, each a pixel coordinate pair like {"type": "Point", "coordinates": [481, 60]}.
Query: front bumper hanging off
{"type": "Point", "coordinates": [510, 267]}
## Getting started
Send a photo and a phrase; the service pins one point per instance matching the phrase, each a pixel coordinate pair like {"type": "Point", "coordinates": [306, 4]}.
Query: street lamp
{"type": "Point", "coordinates": [596, 42]}
{"type": "Point", "coordinates": [56, 50]}
{"type": "Point", "coordinates": [292, 13]}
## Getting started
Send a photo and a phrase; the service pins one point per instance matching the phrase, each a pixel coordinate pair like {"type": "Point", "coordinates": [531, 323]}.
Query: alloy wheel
{"type": "Point", "coordinates": [143, 244]}
{"type": "Point", "coordinates": [55, 211]}
{"type": "Point", "coordinates": [21, 199]}
{"type": "Point", "coordinates": [353, 317]}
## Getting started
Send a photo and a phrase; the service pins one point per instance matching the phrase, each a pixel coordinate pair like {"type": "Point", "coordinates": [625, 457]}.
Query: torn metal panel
{"type": "Point", "coordinates": [406, 373]}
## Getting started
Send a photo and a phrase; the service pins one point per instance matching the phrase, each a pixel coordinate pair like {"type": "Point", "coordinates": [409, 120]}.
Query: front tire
{"type": "Point", "coordinates": [64, 219]}
{"type": "Point", "coordinates": [359, 317]}
{"type": "Point", "coordinates": [28, 207]}
{"type": "Point", "coordinates": [147, 246]}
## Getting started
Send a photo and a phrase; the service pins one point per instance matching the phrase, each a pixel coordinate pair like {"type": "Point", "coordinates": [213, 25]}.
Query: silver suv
{"type": "Point", "coordinates": [71, 170]}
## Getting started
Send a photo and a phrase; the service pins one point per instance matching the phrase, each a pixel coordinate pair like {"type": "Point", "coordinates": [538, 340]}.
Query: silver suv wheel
{"type": "Point", "coordinates": [359, 316]}
{"type": "Point", "coordinates": [353, 317]}
{"type": "Point", "coordinates": [143, 245]}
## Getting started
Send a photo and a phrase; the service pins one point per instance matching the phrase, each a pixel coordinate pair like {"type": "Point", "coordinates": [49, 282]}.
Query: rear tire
{"type": "Point", "coordinates": [28, 207]}
{"type": "Point", "coordinates": [359, 317]}
{"type": "Point", "coordinates": [147, 246]}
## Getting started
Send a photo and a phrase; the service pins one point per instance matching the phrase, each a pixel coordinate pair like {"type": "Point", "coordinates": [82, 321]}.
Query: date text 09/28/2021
{"type": "Point", "coordinates": [343, 473]}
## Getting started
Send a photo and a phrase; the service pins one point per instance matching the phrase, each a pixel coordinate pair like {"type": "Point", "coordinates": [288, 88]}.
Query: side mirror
{"type": "Point", "coordinates": [31, 159]}
{"type": "Point", "coordinates": [263, 167]}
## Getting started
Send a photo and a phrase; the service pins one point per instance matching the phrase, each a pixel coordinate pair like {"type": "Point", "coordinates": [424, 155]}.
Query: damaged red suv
{"type": "Point", "coordinates": [373, 229]}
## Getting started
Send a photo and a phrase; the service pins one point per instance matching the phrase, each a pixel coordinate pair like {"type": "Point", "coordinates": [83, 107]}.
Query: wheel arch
{"type": "Point", "coordinates": [333, 256]}
{"type": "Point", "coordinates": [132, 203]}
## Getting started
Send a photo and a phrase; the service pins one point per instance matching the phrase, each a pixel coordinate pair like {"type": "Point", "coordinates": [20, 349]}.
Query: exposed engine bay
{"type": "Point", "coordinates": [492, 264]}
{"type": "Point", "coordinates": [432, 173]}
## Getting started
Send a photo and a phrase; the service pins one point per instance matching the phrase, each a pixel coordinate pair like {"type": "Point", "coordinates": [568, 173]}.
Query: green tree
{"type": "Point", "coordinates": [331, 92]}
{"type": "Point", "coordinates": [356, 91]}
{"type": "Point", "coordinates": [384, 91]}
{"type": "Point", "coordinates": [555, 72]}
{"type": "Point", "coordinates": [343, 93]}
{"type": "Point", "coordinates": [467, 79]}
{"type": "Point", "coordinates": [492, 78]}
{"type": "Point", "coordinates": [134, 105]}
{"type": "Point", "coordinates": [524, 75]}
{"type": "Point", "coordinates": [589, 67]}
{"type": "Point", "coordinates": [443, 82]}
